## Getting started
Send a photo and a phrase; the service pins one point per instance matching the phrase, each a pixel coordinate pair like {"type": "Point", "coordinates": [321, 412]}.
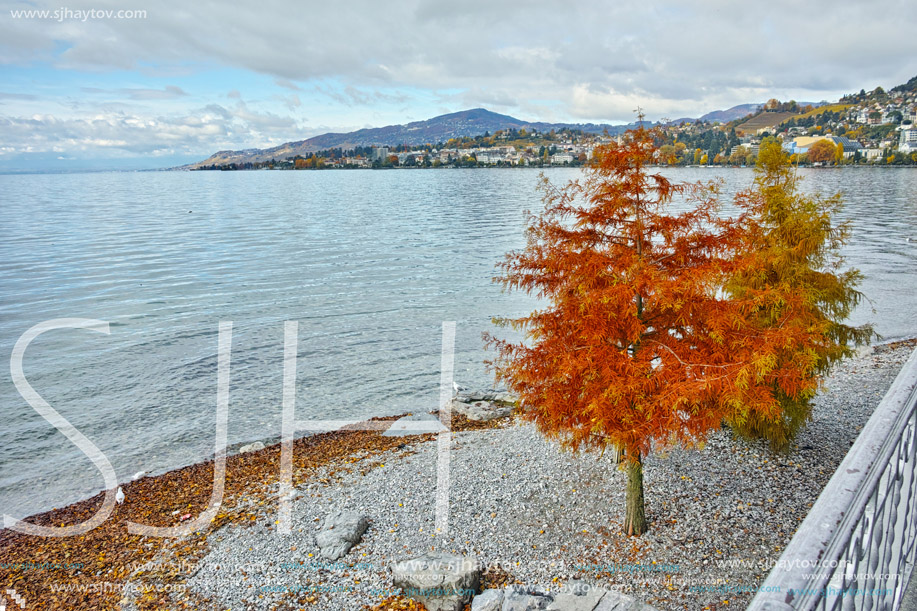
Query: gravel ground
{"type": "Point", "coordinates": [720, 516]}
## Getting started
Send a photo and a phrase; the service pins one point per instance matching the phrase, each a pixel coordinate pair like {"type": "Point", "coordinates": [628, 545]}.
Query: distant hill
{"type": "Point", "coordinates": [720, 116]}
{"type": "Point", "coordinates": [438, 129]}
{"type": "Point", "coordinates": [731, 114]}
{"type": "Point", "coordinates": [911, 85]}
{"type": "Point", "coordinates": [467, 123]}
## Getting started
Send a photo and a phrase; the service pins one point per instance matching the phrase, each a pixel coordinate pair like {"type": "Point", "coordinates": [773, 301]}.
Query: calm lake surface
{"type": "Point", "coordinates": [369, 262]}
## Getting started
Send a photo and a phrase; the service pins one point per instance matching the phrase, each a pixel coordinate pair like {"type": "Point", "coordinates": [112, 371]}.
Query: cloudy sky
{"type": "Point", "coordinates": [170, 82]}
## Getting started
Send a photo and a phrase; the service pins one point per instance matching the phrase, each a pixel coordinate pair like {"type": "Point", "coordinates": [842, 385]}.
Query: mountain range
{"type": "Point", "coordinates": [472, 122]}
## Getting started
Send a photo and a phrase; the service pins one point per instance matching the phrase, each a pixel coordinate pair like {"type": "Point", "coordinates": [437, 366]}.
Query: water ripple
{"type": "Point", "coordinates": [369, 263]}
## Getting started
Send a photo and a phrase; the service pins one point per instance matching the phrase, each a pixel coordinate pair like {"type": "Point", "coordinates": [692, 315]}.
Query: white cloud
{"type": "Point", "coordinates": [287, 84]}
{"type": "Point", "coordinates": [659, 52]}
{"type": "Point", "coordinates": [117, 133]}
{"type": "Point", "coordinates": [170, 92]}
{"type": "Point", "coordinates": [292, 102]}
{"type": "Point", "coordinates": [540, 60]}
{"type": "Point", "coordinates": [17, 96]}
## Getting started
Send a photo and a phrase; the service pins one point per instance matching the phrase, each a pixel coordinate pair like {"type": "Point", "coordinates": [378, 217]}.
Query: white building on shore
{"type": "Point", "coordinates": [907, 141]}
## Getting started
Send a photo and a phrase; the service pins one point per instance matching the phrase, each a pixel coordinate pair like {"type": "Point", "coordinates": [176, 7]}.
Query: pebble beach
{"type": "Point", "coordinates": [528, 512]}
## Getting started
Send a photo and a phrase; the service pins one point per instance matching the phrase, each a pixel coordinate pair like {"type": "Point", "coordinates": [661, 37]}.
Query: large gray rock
{"type": "Point", "coordinates": [577, 597]}
{"type": "Point", "coordinates": [252, 447]}
{"type": "Point", "coordinates": [516, 598]}
{"type": "Point", "coordinates": [471, 397]}
{"type": "Point", "coordinates": [415, 424]}
{"type": "Point", "coordinates": [481, 411]}
{"type": "Point", "coordinates": [574, 597]}
{"type": "Point", "coordinates": [340, 531]}
{"type": "Point", "coordinates": [615, 601]}
{"type": "Point", "coordinates": [488, 600]}
{"type": "Point", "coordinates": [505, 397]}
{"type": "Point", "coordinates": [442, 582]}
{"type": "Point", "coordinates": [491, 395]}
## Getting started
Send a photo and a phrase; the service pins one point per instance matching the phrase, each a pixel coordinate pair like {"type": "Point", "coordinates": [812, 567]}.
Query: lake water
{"type": "Point", "coordinates": [369, 262]}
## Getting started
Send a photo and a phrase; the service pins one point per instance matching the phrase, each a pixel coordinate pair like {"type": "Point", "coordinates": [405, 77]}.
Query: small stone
{"type": "Point", "coordinates": [340, 531]}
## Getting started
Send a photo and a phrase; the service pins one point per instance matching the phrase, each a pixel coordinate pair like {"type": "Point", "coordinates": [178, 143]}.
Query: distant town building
{"type": "Point", "coordinates": [800, 145]}
{"type": "Point", "coordinates": [747, 149]}
{"type": "Point", "coordinates": [850, 146]}
{"type": "Point", "coordinates": [907, 141]}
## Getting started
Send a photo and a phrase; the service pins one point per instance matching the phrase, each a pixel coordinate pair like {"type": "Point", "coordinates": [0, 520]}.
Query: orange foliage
{"type": "Point", "coordinates": [821, 151]}
{"type": "Point", "coordinates": [637, 344]}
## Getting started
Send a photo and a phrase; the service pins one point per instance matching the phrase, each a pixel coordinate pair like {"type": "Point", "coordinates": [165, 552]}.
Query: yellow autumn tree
{"type": "Point", "coordinates": [786, 272]}
{"type": "Point", "coordinates": [839, 154]}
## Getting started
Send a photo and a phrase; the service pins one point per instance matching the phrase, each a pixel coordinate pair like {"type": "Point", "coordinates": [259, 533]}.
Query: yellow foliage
{"type": "Point", "coordinates": [783, 274]}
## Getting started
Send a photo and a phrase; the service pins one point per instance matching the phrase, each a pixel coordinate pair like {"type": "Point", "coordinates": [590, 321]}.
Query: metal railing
{"type": "Point", "coordinates": [855, 549]}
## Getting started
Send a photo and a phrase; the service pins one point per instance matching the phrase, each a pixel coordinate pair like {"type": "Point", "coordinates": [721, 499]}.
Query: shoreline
{"type": "Point", "coordinates": [511, 167]}
{"type": "Point", "coordinates": [324, 466]}
{"type": "Point", "coordinates": [270, 441]}
{"type": "Point", "coordinates": [107, 554]}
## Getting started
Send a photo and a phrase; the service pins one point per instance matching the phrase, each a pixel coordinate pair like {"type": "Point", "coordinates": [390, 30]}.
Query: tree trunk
{"type": "Point", "coordinates": [634, 517]}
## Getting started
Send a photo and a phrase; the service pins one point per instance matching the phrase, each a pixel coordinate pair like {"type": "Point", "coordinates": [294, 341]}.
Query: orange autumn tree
{"type": "Point", "coordinates": [634, 347]}
{"type": "Point", "coordinates": [821, 152]}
